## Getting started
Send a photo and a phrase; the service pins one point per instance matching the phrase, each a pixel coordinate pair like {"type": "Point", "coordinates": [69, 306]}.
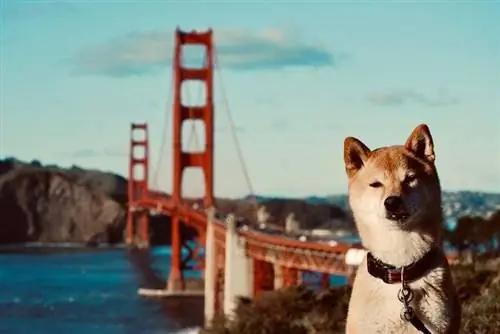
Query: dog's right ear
{"type": "Point", "coordinates": [355, 155]}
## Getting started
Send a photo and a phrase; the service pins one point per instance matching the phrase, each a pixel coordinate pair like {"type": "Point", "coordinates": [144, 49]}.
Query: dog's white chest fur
{"type": "Point", "coordinates": [375, 308]}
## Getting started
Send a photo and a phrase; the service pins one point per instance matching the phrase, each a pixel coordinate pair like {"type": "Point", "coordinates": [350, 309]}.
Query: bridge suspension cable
{"type": "Point", "coordinates": [164, 133]}
{"type": "Point", "coordinates": [232, 126]}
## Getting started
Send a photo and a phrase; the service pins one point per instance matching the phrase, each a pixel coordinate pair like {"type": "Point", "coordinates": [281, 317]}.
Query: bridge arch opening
{"type": "Point", "coordinates": [193, 56]}
{"type": "Point", "coordinates": [193, 93]}
{"type": "Point", "coordinates": [139, 172]}
{"type": "Point", "coordinates": [139, 152]}
{"type": "Point", "coordinates": [193, 136]}
{"type": "Point", "coordinates": [193, 183]}
{"type": "Point", "coordinates": [139, 135]}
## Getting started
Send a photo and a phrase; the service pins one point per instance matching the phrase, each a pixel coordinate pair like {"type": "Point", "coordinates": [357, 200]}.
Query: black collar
{"type": "Point", "coordinates": [390, 274]}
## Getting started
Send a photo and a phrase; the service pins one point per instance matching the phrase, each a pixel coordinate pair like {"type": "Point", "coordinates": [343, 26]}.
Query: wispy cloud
{"type": "Point", "coordinates": [93, 153]}
{"type": "Point", "coordinates": [142, 53]}
{"type": "Point", "coordinates": [401, 97]}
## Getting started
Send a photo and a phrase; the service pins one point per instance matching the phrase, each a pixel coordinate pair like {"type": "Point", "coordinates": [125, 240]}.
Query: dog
{"type": "Point", "coordinates": [404, 284]}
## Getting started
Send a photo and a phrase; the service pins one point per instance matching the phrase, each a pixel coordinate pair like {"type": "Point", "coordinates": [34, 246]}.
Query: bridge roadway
{"type": "Point", "coordinates": [263, 242]}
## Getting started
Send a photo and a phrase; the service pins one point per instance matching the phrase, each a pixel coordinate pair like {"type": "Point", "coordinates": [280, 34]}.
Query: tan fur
{"type": "Point", "coordinates": [407, 171]}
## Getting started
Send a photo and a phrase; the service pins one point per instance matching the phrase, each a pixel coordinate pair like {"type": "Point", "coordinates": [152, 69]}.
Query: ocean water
{"type": "Point", "coordinates": [72, 290]}
{"type": "Point", "coordinates": [75, 290]}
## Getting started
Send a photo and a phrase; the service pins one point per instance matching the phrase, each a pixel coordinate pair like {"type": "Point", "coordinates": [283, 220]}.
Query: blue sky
{"type": "Point", "coordinates": [299, 78]}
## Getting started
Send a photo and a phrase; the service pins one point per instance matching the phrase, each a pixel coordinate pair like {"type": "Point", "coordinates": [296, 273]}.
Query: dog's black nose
{"type": "Point", "coordinates": [393, 204]}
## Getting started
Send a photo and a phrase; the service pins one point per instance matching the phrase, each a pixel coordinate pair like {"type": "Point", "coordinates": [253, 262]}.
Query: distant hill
{"type": "Point", "coordinates": [455, 204]}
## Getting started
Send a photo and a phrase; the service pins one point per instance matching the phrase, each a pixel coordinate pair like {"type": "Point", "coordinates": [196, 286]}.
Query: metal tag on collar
{"type": "Point", "coordinates": [405, 296]}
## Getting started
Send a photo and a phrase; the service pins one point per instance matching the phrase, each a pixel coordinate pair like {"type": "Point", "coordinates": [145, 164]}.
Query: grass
{"type": "Point", "coordinates": [479, 290]}
{"type": "Point", "coordinates": [299, 310]}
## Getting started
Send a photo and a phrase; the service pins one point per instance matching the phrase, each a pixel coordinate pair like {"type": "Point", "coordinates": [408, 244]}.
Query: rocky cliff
{"type": "Point", "coordinates": [45, 205]}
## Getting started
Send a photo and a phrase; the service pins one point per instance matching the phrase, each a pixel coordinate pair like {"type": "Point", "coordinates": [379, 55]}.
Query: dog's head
{"type": "Point", "coordinates": [396, 187]}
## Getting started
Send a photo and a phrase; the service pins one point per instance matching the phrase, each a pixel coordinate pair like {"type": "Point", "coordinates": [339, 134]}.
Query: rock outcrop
{"type": "Point", "coordinates": [44, 205]}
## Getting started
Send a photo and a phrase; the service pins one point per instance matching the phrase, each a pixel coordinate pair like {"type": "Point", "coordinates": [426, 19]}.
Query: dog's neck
{"type": "Point", "coordinates": [398, 248]}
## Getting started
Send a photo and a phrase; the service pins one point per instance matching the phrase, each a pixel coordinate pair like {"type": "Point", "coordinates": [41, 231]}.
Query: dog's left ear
{"type": "Point", "coordinates": [355, 155]}
{"type": "Point", "coordinates": [421, 144]}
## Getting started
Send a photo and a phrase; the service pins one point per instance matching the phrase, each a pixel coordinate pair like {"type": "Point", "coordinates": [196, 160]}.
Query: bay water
{"type": "Point", "coordinates": [75, 290]}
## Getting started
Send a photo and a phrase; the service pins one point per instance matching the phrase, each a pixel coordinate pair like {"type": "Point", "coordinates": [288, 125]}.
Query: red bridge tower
{"type": "Point", "coordinates": [183, 159]}
{"type": "Point", "coordinates": [138, 185]}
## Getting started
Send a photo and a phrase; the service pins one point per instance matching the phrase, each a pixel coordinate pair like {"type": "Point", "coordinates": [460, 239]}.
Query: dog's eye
{"type": "Point", "coordinates": [376, 184]}
{"type": "Point", "coordinates": [410, 178]}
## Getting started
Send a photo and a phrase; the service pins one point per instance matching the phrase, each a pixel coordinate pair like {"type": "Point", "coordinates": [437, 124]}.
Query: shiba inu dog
{"type": "Point", "coordinates": [404, 283]}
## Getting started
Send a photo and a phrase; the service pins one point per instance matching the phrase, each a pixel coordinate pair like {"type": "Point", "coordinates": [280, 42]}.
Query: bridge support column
{"type": "Point", "coordinates": [238, 279]}
{"type": "Point", "coordinates": [210, 269]}
{"type": "Point", "coordinates": [129, 234]}
{"type": "Point", "coordinates": [143, 238]}
{"type": "Point", "coordinates": [175, 279]}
